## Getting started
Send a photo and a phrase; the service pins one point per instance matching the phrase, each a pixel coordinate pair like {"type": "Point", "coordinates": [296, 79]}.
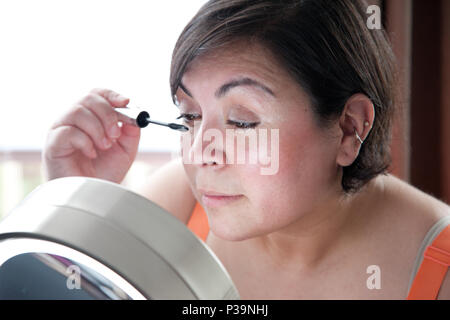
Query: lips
{"type": "Point", "coordinates": [215, 193]}
{"type": "Point", "coordinates": [215, 199]}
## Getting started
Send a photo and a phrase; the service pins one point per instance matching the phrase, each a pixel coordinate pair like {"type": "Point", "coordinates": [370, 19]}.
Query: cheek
{"type": "Point", "coordinates": [305, 173]}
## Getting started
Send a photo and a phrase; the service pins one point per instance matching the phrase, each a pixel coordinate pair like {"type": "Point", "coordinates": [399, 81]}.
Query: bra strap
{"type": "Point", "coordinates": [436, 260]}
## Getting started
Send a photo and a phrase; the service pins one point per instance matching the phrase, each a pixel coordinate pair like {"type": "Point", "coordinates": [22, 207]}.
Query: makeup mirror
{"type": "Point", "coordinates": [85, 238]}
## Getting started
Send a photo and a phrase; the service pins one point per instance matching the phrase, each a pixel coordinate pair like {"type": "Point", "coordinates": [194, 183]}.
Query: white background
{"type": "Point", "coordinates": [54, 52]}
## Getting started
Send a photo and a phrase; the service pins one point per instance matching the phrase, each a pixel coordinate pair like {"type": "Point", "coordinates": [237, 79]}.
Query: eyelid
{"type": "Point", "coordinates": [188, 117]}
{"type": "Point", "coordinates": [184, 114]}
{"type": "Point", "coordinates": [243, 124]}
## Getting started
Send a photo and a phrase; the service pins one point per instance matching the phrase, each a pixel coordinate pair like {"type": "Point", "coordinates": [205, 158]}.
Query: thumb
{"type": "Point", "coordinates": [129, 139]}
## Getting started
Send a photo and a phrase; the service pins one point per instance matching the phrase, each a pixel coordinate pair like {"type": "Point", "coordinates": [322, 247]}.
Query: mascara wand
{"type": "Point", "coordinates": [141, 119]}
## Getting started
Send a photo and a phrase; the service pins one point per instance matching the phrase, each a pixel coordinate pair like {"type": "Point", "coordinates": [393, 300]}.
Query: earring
{"type": "Point", "coordinates": [366, 124]}
{"type": "Point", "coordinates": [358, 137]}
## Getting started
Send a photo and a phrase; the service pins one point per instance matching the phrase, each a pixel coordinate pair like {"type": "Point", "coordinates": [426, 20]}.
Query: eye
{"type": "Point", "coordinates": [243, 124]}
{"type": "Point", "coordinates": [188, 117]}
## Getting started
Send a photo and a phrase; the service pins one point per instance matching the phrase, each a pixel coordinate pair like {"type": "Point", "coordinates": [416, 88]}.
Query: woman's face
{"type": "Point", "coordinates": [304, 172]}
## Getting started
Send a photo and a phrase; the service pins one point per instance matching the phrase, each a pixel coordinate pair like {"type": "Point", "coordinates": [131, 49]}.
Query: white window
{"type": "Point", "coordinates": [54, 52]}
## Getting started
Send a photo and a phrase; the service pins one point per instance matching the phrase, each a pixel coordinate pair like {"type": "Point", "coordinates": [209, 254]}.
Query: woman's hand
{"type": "Point", "coordinates": [87, 141]}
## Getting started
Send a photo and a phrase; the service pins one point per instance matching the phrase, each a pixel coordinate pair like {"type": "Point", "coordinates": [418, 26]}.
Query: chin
{"type": "Point", "coordinates": [230, 233]}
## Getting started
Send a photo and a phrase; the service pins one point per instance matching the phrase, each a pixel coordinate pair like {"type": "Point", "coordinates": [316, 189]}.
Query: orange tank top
{"type": "Point", "coordinates": [432, 262]}
{"type": "Point", "coordinates": [198, 223]}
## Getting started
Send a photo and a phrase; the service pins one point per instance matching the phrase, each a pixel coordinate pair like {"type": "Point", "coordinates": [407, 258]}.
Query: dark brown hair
{"type": "Point", "coordinates": [324, 45]}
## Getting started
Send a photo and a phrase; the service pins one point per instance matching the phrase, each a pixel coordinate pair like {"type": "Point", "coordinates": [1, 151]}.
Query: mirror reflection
{"type": "Point", "coordinates": [54, 271]}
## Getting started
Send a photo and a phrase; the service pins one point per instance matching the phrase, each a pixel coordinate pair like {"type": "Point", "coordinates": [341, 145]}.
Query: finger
{"type": "Point", "coordinates": [114, 98]}
{"type": "Point", "coordinates": [85, 120]}
{"type": "Point", "coordinates": [129, 140]}
{"type": "Point", "coordinates": [65, 140]}
{"type": "Point", "coordinates": [104, 112]}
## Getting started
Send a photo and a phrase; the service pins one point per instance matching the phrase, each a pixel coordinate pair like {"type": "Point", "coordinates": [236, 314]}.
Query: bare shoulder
{"type": "Point", "coordinates": [428, 210]}
{"type": "Point", "coordinates": [413, 197]}
{"type": "Point", "coordinates": [169, 188]}
{"type": "Point", "coordinates": [413, 203]}
{"type": "Point", "coordinates": [424, 209]}
{"type": "Point", "coordinates": [400, 217]}
{"type": "Point", "coordinates": [408, 213]}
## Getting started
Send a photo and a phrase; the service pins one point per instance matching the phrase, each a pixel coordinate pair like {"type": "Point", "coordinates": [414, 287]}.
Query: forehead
{"type": "Point", "coordinates": [210, 71]}
{"type": "Point", "coordinates": [238, 59]}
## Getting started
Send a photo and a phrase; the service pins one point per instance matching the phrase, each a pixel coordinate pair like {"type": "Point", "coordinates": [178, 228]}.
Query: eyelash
{"type": "Point", "coordinates": [188, 117]}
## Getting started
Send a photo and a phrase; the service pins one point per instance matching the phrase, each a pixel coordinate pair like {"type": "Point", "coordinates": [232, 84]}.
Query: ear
{"type": "Point", "coordinates": [358, 116]}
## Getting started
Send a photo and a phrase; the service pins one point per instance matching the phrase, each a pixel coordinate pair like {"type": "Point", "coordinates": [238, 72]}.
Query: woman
{"type": "Point", "coordinates": [313, 71]}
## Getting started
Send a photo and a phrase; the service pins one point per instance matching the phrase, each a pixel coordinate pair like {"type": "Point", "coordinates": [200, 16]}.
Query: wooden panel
{"type": "Point", "coordinates": [445, 89]}
{"type": "Point", "coordinates": [426, 97]}
{"type": "Point", "coordinates": [399, 24]}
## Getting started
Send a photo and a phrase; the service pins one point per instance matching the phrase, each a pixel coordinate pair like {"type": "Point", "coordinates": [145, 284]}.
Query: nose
{"type": "Point", "coordinates": [215, 161]}
{"type": "Point", "coordinates": [207, 148]}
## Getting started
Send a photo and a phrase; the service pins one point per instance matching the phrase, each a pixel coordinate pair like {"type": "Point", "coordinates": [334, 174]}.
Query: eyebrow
{"type": "Point", "coordinates": [185, 90]}
{"type": "Point", "coordinates": [225, 88]}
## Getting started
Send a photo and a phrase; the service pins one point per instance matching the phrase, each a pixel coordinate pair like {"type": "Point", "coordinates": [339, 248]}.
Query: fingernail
{"type": "Point", "coordinates": [114, 132]}
{"type": "Point", "coordinates": [106, 143]}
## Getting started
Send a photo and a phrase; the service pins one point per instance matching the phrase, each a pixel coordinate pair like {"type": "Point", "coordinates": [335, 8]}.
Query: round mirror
{"type": "Point", "coordinates": [85, 238]}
